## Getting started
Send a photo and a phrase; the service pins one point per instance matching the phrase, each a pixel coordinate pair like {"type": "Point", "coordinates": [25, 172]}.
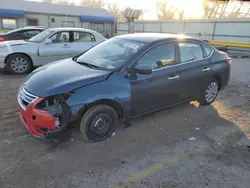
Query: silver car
{"type": "Point", "coordinates": [19, 57]}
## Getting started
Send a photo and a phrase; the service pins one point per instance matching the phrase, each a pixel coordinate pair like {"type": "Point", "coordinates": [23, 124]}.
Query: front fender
{"type": "Point", "coordinates": [116, 88]}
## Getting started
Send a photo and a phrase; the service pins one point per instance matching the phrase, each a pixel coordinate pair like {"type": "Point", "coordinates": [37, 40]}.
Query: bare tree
{"type": "Point", "coordinates": [210, 7]}
{"type": "Point", "coordinates": [142, 15]}
{"type": "Point", "coordinates": [223, 7]}
{"type": "Point", "coordinates": [219, 9]}
{"type": "Point", "coordinates": [237, 11]}
{"type": "Point", "coordinates": [165, 11]}
{"type": "Point", "coordinates": [92, 3]}
{"type": "Point", "coordinates": [215, 8]}
{"type": "Point", "coordinates": [116, 10]}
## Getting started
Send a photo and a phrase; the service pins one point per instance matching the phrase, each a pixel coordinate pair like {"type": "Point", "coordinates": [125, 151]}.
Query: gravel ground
{"type": "Point", "coordinates": [154, 152]}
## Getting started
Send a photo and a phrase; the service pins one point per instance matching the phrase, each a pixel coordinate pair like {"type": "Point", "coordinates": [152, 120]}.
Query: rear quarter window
{"type": "Point", "coordinates": [208, 50]}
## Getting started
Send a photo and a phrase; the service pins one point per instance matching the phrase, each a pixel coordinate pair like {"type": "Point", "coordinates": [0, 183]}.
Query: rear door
{"type": "Point", "coordinates": [82, 41]}
{"type": "Point", "coordinates": [60, 47]}
{"type": "Point", "coordinates": [194, 69]}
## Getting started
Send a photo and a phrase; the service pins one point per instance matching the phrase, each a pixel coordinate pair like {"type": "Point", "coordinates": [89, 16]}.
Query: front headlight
{"type": "Point", "coordinates": [57, 106]}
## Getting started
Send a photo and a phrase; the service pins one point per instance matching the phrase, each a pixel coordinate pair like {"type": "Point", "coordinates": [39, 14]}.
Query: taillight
{"type": "Point", "coordinates": [1, 39]}
{"type": "Point", "coordinates": [229, 61]}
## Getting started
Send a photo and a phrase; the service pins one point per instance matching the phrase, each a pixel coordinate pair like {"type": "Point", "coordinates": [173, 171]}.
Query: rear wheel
{"type": "Point", "coordinates": [18, 64]}
{"type": "Point", "coordinates": [210, 93]}
{"type": "Point", "coordinates": [98, 123]}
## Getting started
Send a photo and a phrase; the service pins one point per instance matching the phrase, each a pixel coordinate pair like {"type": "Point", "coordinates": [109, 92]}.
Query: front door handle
{"type": "Point", "coordinates": [173, 77]}
{"type": "Point", "coordinates": [205, 69]}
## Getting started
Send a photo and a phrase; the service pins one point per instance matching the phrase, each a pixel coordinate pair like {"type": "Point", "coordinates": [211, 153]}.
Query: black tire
{"type": "Point", "coordinates": [90, 121]}
{"type": "Point", "coordinates": [27, 64]}
{"type": "Point", "coordinates": [203, 99]}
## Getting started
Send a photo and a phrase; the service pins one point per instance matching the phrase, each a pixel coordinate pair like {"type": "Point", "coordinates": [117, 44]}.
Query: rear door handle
{"type": "Point", "coordinates": [205, 69]}
{"type": "Point", "coordinates": [173, 77]}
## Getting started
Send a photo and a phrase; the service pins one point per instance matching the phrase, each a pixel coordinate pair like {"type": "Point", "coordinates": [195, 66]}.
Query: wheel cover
{"type": "Point", "coordinates": [211, 92]}
{"type": "Point", "coordinates": [101, 126]}
{"type": "Point", "coordinates": [19, 64]}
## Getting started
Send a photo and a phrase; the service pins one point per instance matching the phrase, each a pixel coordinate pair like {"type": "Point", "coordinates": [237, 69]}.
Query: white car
{"type": "Point", "coordinates": [19, 57]}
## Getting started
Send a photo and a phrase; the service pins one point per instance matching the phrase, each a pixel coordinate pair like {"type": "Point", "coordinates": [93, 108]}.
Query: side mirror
{"type": "Point", "coordinates": [48, 41]}
{"type": "Point", "coordinates": [142, 70]}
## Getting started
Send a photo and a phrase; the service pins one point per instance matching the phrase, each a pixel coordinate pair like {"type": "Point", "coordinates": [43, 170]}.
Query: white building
{"type": "Point", "coordinates": [19, 13]}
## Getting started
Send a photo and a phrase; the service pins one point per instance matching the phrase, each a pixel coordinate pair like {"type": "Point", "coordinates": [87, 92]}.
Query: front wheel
{"type": "Point", "coordinates": [98, 123]}
{"type": "Point", "coordinates": [210, 93]}
{"type": "Point", "coordinates": [18, 64]}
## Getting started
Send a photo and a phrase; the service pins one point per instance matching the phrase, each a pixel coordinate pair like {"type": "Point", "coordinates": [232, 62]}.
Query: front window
{"type": "Point", "coordinates": [61, 37]}
{"type": "Point", "coordinates": [41, 36]}
{"type": "Point", "coordinates": [159, 57]}
{"type": "Point", "coordinates": [111, 54]}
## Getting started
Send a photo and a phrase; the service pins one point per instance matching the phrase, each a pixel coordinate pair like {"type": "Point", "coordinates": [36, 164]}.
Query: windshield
{"type": "Point", "coordinates": [111, 54]}
{"type": "Point", "coordinates": [41, 36]}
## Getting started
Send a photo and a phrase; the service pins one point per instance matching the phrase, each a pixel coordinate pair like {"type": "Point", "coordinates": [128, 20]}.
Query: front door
{"type": "Point", "coordinates": [156, 90]}
{"type": "Point", "coordinates": [194, 70]}
{"type": "Point", "coordinates": [60, 47]}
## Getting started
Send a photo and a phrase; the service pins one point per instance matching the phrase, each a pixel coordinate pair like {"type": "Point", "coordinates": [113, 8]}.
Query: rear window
{"type": "Point", "coordinates": [208, 50]}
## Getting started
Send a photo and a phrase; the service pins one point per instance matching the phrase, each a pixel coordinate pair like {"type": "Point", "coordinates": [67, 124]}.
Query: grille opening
{"type": "Point", "coordinates": [25, 98]}
{"type": "Point", "coordinates": [25, 103]}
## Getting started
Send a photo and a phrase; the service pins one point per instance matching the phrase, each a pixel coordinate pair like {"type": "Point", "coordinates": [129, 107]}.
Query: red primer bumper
{"type": "Point", "coordinates": [35, 119]}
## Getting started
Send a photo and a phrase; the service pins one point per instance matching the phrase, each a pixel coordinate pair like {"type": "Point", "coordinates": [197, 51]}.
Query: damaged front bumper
{"type": "Point", "coordinates": [40, 119]}
{"type": "Point", "coordinates": [38, 122]}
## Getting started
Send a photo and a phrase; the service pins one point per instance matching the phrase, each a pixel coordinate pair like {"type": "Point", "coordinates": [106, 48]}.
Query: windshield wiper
{"type": "Point", "coordinates": [89, 65]}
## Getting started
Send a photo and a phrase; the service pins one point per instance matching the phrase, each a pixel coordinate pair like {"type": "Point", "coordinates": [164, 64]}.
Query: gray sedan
{"type": "Point", "coordinates": [19, 57]}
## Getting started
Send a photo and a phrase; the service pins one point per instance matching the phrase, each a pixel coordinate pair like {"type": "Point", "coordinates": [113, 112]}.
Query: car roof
{"type": "Point", "coordinates": [151, 37]}
{"type": "Point", "coordinates": [71, 29]}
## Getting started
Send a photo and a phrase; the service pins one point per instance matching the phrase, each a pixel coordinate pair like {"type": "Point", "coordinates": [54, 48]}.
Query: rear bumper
{"type": "Point", "coordinates": [37, 121]}
{"type": "Point", "coordinates": [226, 79]}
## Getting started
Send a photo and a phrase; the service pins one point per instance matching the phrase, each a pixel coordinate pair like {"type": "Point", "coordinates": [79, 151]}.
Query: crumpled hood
{"type": "Point", "coordinates": [61, 77]}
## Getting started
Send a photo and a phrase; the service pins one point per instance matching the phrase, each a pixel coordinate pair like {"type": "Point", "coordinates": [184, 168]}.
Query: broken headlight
{"type": "Point", "coordinates": [57, 107]}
